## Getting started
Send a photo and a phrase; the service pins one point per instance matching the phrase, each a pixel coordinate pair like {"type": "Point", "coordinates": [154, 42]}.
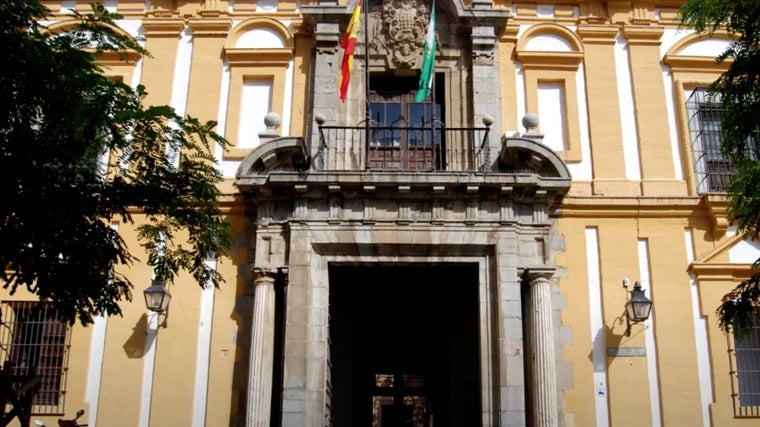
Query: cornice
{"type": "Point", "coordinates": [691, 64]}
{"type": "Point", "coordinates": [259, 57]}
{"type": "Point", "coordinates": [722, 271]}
{"type": "Point", "coordinates": [550, 60]}
{"type": "Point", "coordinates": [631, 207]}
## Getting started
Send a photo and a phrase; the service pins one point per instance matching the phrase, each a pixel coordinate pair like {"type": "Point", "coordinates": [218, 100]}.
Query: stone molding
{"type": "Point", "coordinates": [475, 205]}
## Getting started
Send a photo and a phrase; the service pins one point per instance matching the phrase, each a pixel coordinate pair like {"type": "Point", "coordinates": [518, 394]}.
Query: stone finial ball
{"type": "Point", "coordinates": [272, 120]}
{"type": "Point", "coordinates": [320, 119]}
{"type": "Point", "coordinates": [530, 121]}
{"type": "Point", "coordinates": [487, 120]}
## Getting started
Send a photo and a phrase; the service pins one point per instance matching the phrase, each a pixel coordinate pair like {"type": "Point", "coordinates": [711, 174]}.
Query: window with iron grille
{"type": "Point", "coordinates": [746, 372]}
{"type": "Point", "coordinates": [36, 342]}
{"type": "Point", "coordinates": [712, 169]}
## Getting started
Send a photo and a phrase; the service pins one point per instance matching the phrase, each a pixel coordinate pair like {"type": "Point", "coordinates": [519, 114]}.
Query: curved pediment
{"type": "Point", "coordinates": [525, 155]}
{"type": "Point", "coordinates": [287, 153]}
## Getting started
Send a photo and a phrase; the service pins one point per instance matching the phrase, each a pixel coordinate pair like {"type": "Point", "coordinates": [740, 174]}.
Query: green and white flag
{"type": "Point", "coordinates": [428, 59]}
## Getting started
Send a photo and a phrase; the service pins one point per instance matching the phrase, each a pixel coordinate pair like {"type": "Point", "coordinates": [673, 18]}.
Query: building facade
{"type": "Point", "coordinates": [461, 261]}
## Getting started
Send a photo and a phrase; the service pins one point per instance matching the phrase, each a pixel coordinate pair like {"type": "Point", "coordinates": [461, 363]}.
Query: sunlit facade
{"type": "Point", "coordinates": [461, 261]}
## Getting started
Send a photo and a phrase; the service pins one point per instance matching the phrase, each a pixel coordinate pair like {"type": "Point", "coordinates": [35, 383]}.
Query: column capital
{"type": "Point", "coordinates": [598, 34]}
{"type": "Point", "coordinates": [484, 42]}
{"type": "Point", "coordinates": [262, 275]}
{"type": "Point", "coordinates": [167, 27]}
{"type": "Point", "coordinates": [210, 27]}
{"type": "Point", "coordinates": [269, 275]}
{"type": "Point", "coordinates": [534, 275]}
{"type": "Point", "coordinates": [643, 35]}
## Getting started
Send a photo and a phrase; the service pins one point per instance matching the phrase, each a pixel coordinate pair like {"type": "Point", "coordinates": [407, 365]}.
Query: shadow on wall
{"type": "Point", "coordinates": [135, 346]}
{"type": "Point", "coordinates": [242, 314]}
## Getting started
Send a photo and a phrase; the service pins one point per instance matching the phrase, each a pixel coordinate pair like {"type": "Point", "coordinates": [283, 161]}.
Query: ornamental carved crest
{"type": "Point", "coordinates": [399, 31]}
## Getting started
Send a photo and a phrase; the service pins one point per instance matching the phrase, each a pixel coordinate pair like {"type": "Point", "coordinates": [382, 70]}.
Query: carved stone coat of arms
{"type": "Point", "coordinates": [399, 31]}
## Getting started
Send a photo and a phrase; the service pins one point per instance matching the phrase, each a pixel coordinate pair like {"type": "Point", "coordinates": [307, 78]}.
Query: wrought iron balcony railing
{"type": "Point", "coordinates": [419, 149]}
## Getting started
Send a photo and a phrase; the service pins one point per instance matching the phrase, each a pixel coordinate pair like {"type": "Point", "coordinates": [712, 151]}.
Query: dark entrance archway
{"type": "Point", "coordinates": [404, 345]}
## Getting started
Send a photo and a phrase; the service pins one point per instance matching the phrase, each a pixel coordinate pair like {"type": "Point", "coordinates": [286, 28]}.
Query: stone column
{"type": "Point", "coordinates": [259, 404]}
{"type": "Point", "coordinates": [542, 370]}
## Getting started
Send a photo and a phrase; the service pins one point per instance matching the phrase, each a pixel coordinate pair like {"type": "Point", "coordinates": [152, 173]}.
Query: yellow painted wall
{"type": "Point", "coordinates": [658, 209]}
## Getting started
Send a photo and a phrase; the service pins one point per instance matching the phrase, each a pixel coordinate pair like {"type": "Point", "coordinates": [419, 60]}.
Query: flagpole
{"type": "Point", "coordinates": [432, 117]}
{"type": "Point", "coordinates": [432, 85]}
{"type": "Point", "coordinates": [366, 79]}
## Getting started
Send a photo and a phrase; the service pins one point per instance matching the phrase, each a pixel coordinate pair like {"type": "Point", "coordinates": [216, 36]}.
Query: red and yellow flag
{"type": "Point", "coordinates": [348, 43]}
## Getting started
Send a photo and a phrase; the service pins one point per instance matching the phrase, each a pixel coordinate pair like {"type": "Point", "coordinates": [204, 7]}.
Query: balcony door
{"type": "Point", "coordinates": [404, 134]}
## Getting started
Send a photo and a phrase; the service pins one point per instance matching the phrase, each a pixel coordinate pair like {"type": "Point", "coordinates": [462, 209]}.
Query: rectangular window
{"type": "Point", "coordinates": [712, 169]}
{"type": "Point", "coordinates": [35, 341]}
{"type": "Point", "coordinates": [256, 103]}
{"type": "Point", "coordinates": [747, 372]}
{"type": "Point", "coordinates": [551, 109]}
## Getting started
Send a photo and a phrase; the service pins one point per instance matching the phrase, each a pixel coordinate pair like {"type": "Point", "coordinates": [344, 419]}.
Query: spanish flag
{"type": "Point", "coordinates": [348, 43]}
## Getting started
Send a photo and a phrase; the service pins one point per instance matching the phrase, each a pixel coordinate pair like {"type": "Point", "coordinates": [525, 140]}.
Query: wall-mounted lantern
{"type": "Point", "coordinates": [638, 308]}
{"type": "Point", "coordinates": [157, 297]}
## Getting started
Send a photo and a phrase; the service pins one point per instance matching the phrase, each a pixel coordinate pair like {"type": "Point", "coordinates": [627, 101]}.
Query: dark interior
{"type": "Point", "coordinates": [404, 345]}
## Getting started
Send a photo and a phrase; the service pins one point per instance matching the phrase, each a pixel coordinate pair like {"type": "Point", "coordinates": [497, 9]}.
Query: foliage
{"type": "Point", "coordinates": [738, 90]}
{"type": "Point", "coordinates": [80, 152]}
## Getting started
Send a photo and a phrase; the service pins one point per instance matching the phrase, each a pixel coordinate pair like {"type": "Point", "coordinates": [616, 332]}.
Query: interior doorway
{"type": "Point", "coordinates": [404, 345]}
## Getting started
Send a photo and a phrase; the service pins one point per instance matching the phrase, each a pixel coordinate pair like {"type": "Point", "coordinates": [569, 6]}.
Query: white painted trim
{"type": "Point", "coordinates": [149, 364]}
{"type": "Point", "coordinates": [584, 169]}
{"type": "Point", "coordinates": [675, 151]}
{"type": "Point", "coordinates": [651, 346]}
{"type": "Point", "coordinates": [205, 323]}
{"type": "Point", "coordinates": [520, 96]}
{"type": "Point", "coordinates": [95, 368]}
{"type": "Point", "coordinates": [228, 168]}
{"type": "Point", "coordinates": [287, 99]}
{"type": "Point", "coordinates": [181, 80]}
{"type": "Point", "coordinates": [704, 368]}
{"type": "Point", "coordinates": [599, 345]}
{"type": "Point", "coordinates": [627, 111]}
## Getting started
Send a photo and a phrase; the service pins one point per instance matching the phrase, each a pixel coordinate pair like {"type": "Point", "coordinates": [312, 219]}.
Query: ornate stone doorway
{"type": "Point", "coordinates": [404, 345]}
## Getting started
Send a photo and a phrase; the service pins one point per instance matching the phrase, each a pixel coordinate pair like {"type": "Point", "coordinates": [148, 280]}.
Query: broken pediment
{"type": "Point", "coordinates": [289, 153]}
{"type": "Point", "coordinates": [733, 256]}
{"type": "Point", "coordinates": [524, 155]}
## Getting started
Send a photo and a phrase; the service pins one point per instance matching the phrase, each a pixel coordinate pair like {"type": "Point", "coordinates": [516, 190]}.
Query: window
{"type": "Point", "coordinates": [405, 134]}
{"type": "Point", "coordinates": [712, 169]}
{"type": "Point", "coordinates": [746, 373]}
{"type": "Point", "coordinates": [256, 103]}
{"type": "Point", "coordinates": [34, 340]}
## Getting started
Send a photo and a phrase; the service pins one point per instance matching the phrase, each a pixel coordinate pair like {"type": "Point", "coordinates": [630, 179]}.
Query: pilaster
{"type": "Point", "coordinates": [326, 69]}
{"type": "Point", "coordinates": [486, 80]}
{"type": "Point", "coordinates": [603, 104]}
{"type": "Point", "coordinates": [161, 40]}
{"type": "Point", "coordinates": [507, 43]}
{"type": "Point", "coordinates": [655, 146]}
{"type": "Point", "coordinates": [209, 36]}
